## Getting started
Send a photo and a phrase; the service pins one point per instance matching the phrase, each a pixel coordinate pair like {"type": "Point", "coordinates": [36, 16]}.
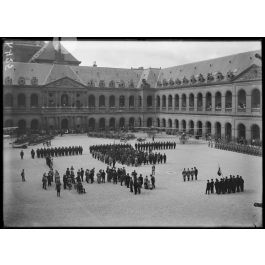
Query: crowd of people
{"type": "Point", "coordinates": [190, 174]}
{"type": "Point", "coordinates": [125, 154]}
{"type": "Point", "coordinates": [225, 185]}
{"type": "Point", "coordinates": [155, 146]}
{"type": "Point", "coordinates": [235, 147]}
{"type": "Point", "coordinates": [57, 151]}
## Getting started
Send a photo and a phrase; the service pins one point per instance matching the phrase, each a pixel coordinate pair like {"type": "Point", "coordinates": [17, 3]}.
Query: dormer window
{"type": "Point", "coordinates": [171, 82]}
{"type": "Point", "coordinates": [159, 84]}
{"type": "Point", "coordinates": [131, 84]}
{"type": "Point", "coordinates": [210, 77]}
{"type": "Point", "coordinates": [91, 83]}
{"type": "Point", "coordinates": [219, 76]}
{"type": "Point", "coordinates": [177, 82]}
{"type": "Point", "coordinates": [112, 84]}
{"type": "Point", "coordinates": [185, 81]}
{"type": "Point", "coordinates": [165, 83]}
{"type": "Point", "coordinates": [21, 81]}
{"type": "Point", "coordinates": [101, 83]}
{"type": "Point", "coordinates": [201, 78]}
{"type": "Point", "coordinates": [121, 84]}
{"type": "Point", "coordinates": [34, 81]}
{"type": "Point", "coordinates": [193, 79]}
{"type": "Point", "coordinates": [230, 75]}
{"type": "Point", "coordinates": [8, 80]}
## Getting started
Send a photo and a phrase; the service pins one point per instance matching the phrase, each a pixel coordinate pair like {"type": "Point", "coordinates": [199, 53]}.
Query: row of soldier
{"type": "Point", "coordinates": [189, 174]}
{"type": "Point", "coordinates": [155, 145]}
{"type": "Point", "coordinates": [125, 154]}
{"type": "Point", "coordinates": [225, 185]}
{"type": "Point", "coordinates": [57, 151]}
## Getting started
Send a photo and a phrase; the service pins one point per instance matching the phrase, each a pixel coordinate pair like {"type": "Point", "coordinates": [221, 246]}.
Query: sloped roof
{"type": "Point", "coordinates": [48, 53]}
{"type": "Point", "coordinates": [235, 63]}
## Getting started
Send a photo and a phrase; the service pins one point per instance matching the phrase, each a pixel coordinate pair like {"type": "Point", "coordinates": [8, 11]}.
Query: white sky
{"type": "Point", "coordinates": [127, 54]}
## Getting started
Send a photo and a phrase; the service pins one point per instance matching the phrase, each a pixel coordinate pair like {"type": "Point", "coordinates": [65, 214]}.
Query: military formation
{"type": "Point", "coordinates": [189, 175]}
{"type": "Point", "coordinates": [225, 185]}
{"type": "Point", "coordinates": [125, 154]}
{"type": "Point", "coordinates": [57, 151]}
{"type": "Point", "coordinates": [155, 146]}
{"type": "Point", "coordinates": [235, 147]}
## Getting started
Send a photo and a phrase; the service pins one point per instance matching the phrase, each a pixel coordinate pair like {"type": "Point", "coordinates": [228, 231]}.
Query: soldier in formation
{"type": "Point", "coordinates": [190, 175]}
{"type": "Point", "coordinates": [155, 146]}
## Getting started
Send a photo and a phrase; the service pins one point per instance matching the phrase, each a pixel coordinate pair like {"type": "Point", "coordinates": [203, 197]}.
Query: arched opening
{"type": "Point", "coordinates": [163, 123]}
{"type": "Point", "coordinates": [199, 102]}
{"type": "Point", "coordinates": [228, 101]}
{"type": "Point", "coordinates": [191, 101]}
{"type": "Point", "coordinates": [122, 101]}
{"type": "Point", "coordinates": [112, 101]}
{"type": "Point", "coordinates": [164, 103]}
{"type": "Point", "coordinates": [255, 99]}
{"type": "Point", "coordinates": [157, 122]}
{"type": "Point", "coordinates": [184, 103]}
{"type": "Point", "coordinates": [157, 102]}
{"type": "Point", "coordinates": [112, 124]}
{"type": "Point", "coordinates": [140, 122]}
{"type": "Point", "coordinates": [8, 100]}
{"type": "Point", "coordinates": [169, 123]}
{"type": "Point", "coordinates": [255, 133]}
{"type": "Point", "coordinates": [241, 99]}
{"type": "Point", "coordinates": [176, 124]}
{"type": "Point", "coordinates": [208, 128]}
{"type": "Point", "coordinates": [131, 123]}
{"type": "Point", "coordinates": [176, 101]}
{"type": "Point", "coordinates": [101, 101]}
{"type": "Point", "coordinates": [64, 100]}
{"type": "Point", "coordinates": [199, 128]}
{"type": "Point", "coordinates": [21, 100]}
{"type": "Point", "coordinates": [191, 127]}
{"type": "Point", "coordinates": [131, 101]}
{"type": "Point", "coordinates": [241, 132]}
{"type": "Point", "coordinates": [208, 106]}
{"type": "Point", "coordinates": [64, 124]}
{"type": "Point", "coordinates": [34, 125]}
{"type": "Point", "coordinates": [228, 132]}
{"type": "Point", "coordinates": [34, 100]}
{"type": "Point", "coordinates": [91, 101]}
{"type": "Point", "coordinates": [101, 124]}
{"type": "Point", "coordinates": [149, 122]}
{"type": "Point", "coordinates": [183, 123]}
{"type": "Point", "coordinates": [218, 101]}
{"type": "Point", "coordinates": [139, 101]}
{"type": "Point", "coordinates": [149, 101]}
{"type": "Point", "coordinates": [122, 123]}
{"type": "Point", "coordinates": [170, 99]}
{"type": "Point", "coordinates": [9, 123]}
{"type": "Point", "coordinates": [21, 126]}
{"type": "Point", "coordinates": [91, 124]}
{"type": "Point", "coordinates": [218, 132]}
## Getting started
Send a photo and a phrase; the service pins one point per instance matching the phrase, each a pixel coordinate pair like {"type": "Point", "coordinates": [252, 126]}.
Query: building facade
{"type": "Point", "coordinates": [220, 97]}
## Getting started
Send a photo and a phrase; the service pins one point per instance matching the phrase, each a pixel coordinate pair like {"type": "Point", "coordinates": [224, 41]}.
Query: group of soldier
{"type": "Point", "coordinates": [225, 185]}
{"type": "Point", "coordinates": [155, 146]}
{"type": "Point", "coordinates": [125, 154]}
{"type": "Point", "coordinates": [190, 174]}
{"type": "Point", "coordinates": [235, 147]}
{"type": "Point", "coordinates": [57, 151]}
{"type": "Point", "coordinates": [47, 178]}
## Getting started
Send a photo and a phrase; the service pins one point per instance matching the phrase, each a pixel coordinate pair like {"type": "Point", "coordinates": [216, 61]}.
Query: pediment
{"type": "Point", "coordinates": [65, 82]}
{"type": "Point", "coordinates": [254, 72]}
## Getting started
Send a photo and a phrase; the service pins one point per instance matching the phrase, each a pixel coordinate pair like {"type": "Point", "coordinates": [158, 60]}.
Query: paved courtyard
{"type": "Point", "coordinates": [172, 203]}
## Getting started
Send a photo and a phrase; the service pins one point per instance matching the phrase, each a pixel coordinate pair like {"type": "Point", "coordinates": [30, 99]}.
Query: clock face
{"type": "Point", "coordinates": [69, 43]}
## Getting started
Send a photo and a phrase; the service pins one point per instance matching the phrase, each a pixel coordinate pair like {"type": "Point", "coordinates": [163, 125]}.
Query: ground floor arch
{"type": "Point", "coordinates": [102, 124]}
{"type": "Point", "coordinates": [64, 124]}
{"type": "Point", "coordinates": [255, 132]}
{"type": "Point", "coordinates": [34, 125]}
{"type": "Point", "coordinates": [91, 124]}
{"type": "Point", "coordinates": [218, 130]}
{"type": "Point", "coordinates": [228, 131]}
{"type": "Point", "coordinates": [191, 127]}
{"type": "Point", "coordinates": [149, 122]}
{"type": "Point", "coordinates": [112, 124]}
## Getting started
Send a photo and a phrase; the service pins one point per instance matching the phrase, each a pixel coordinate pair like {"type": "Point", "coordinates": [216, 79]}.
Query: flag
{"type": "Point", "coordinates": [219, 173]}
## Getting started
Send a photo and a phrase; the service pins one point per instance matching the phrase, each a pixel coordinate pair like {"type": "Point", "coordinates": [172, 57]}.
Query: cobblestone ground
{"type": "Point", "coordinates": [172, 203]}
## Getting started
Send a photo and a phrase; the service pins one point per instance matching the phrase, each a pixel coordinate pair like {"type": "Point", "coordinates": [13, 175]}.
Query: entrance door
{"type": "Point", "coordinates": [64, 124]}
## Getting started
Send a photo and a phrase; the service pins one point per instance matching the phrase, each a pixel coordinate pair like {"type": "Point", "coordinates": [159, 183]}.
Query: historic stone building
{"type": "Point", "coordinates": [47, 89]}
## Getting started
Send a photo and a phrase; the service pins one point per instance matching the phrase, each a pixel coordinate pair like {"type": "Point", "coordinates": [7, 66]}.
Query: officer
{"type": "Point", "coordinates": [212, 186]}
{"type": "Point", "coordinates": [44, 181]}
{"type": "Point", "coordinates": [208, 187]}
{"type": "Point", "coordinates": [188, 174]}
{"type": "Point", "coordinates": [21, 154]}
{"type": "Point", "coordinates": [184, 175]}
{"type": "Point", "coordinates": [191, 173]}
{"type": "Point", "coordinates": [241, 183]}
{"type": "Point", "coordinates": [217, 187]}
{"type": "Point", "coordinates": [131, 184]}
{"type": "Point", "coordinates": [195, 172]}
{"type": "Point", "coordinates": [82, 174]}
{"type": "Point", "coordinates": [153, 181]}
{"type": "Point", "coordinates": [32, 154]}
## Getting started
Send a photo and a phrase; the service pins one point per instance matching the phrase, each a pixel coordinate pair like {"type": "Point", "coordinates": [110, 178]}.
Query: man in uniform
{"type": "Point", "coordinates": [208, 187]}
{"type": "Point", "coordinates": [195, 172]}
{"type": "Point", "coordinates": [23, 175]}
{"type": "Point", "coordinates": [153, 181]}
{"type": "Point", "coordinates": [184, 175]}
{"type": "Point", "coordinates": [188, 174]}
{"type": "Point", "coordinates": [32, 154]}
{"type": "Point", "coordinates": [21, 154]}
{"type": "Point", "coordinates": [212, 186]}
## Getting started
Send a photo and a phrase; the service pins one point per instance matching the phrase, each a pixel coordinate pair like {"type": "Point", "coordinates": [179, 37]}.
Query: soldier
{"type": "Point", "coordinates": [241, 183]}
{"type": "Point", "coordinates": [32, 154]}
{"type": "Point", "coordinates": [58, 188]}
{"type": "Point", "coordinates": [191, 173]}
{"type": "Point", "coordinates": [212, 186]}
{"type": "Point", "coordinates": [44, 181]}
{"type": "Point", "coordinates": [131, 184]}
{"type": "Point", "coordinates": [208, 187]}
{"type": "Point", "coordinates": [195, 172]}
{"type": "Point", "coordinates": [141, 180]}
{"type": "Point", "coordinates": [23, 175]}
{"type": "Point", "coordinates": [153, 170]}
{"type": "Point", "coordinates": [188, 174]}
{"type": "Point", "coordinates": [21, 154]}
{"type": "Point", "coordinates": [103, 175]}
{"type": "Point", "coordinates": [153, 181]}
{"type": "Point", "coordinates": [82, 174]}
{"type": "Point", "coordinates": [184, 175]}
{"type": "Point", "coordinates": [135, 185]}
{"type": "Point", "coordinates": [165, 158]}
{"type": "Point", "coordinates": [64, 181]}
{"type": "Point", "coordinates": [237, 183]}
{"type": "Point", "coordinates": [217, 187]}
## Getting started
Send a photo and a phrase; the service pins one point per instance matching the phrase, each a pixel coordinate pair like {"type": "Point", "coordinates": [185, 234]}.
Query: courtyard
{"type": "Point", "coordinates": [172, 203]}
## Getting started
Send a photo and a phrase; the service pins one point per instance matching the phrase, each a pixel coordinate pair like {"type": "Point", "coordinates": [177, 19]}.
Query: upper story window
{"type": "Point", "coordinates": [171, 82]}
{"type": "Point", "coordinates": [185, 80]}
{"type": "Point", "coordinates": [201, 78]}
{"type": "Point", "coordinates": [112, 84]}
{"type": "Point", "coordinates": [193, 79]}
{"type": "Point", "coordinates": [121, 84]}
{"type": "Point", "coordinates": [8, 80]}
{"type": "Point", "coordinates": [159, 84]}
{"type": "Point", "coordinates": [34, 81]}
{"type": "Point", "coordinates": [177, 82]}
{"type": "Point", "coordinates": [91, 83]}
{"type": "Point", "coordinates": [219, 76]}
{"type": "Point", "coordinates": [165, 83]}
{"type": "Point", "coordinates": [131, 84]}
{"type": "Point", "coordinates": [210, 77]}
{"type": "Point", "coordinates": [101, 83]}
{"type": "Point", "coordinates": [230, 75]}
{"type": "Point", "coordinates": [21, 81]}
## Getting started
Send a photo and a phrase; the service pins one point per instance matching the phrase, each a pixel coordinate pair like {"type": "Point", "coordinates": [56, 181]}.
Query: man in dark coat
{"type": "Point", "coordinates": [32, 154]}
{"type": "Point", "coordinates": [21, 154]}
{"type": "Point", "coordinates": [195, 172]}
{"type": "Point", "coordinates": [208, 187]}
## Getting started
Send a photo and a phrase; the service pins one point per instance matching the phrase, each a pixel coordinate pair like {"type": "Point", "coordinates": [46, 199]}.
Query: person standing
{"type": "Point", "coordinates": [191, 173]}
{"type": "Point", "coordinates": [21, 154]}
{"type": "Point", "coordinates": [153, 170]}
{"type": "Point", "coordinates": [184, 175]}
{"type": "Point", "coordinates": [32, 154]}
{"type": "Point", "coordinates": [195, 172]}
{"type": "Point", "coordinates": [212, 186]}
{"type": "Point", "coordinates": [131, 184]}
{"type": "Point", "coordinates": [208, 187]}
{"type": "Point", "coordinates": [188, 174]}
{"type": "Point", "coordinates": [153, 181]}
{"type": "Point", "coordinates": [23, 175]}
{"type": "Point", "coordinates": [58, 188]}
{"type": "Point", "coordinates": [44, 182]}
